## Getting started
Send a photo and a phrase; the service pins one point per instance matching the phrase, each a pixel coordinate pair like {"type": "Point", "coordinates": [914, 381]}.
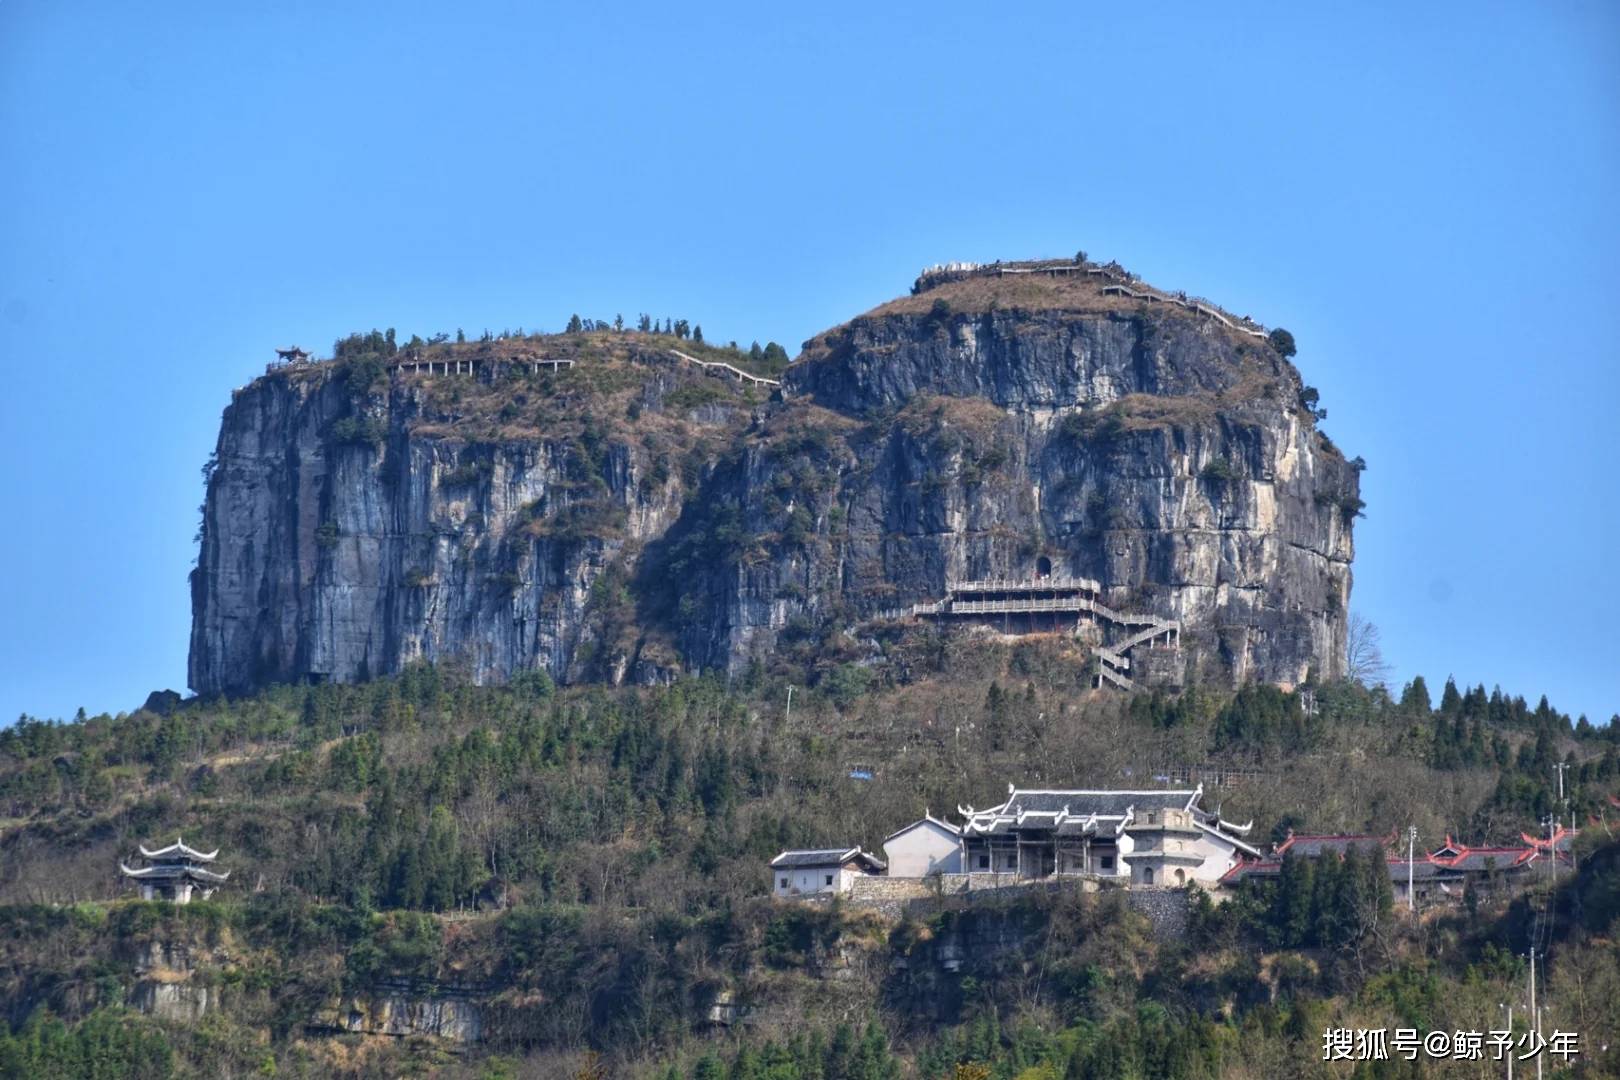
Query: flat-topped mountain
{"type": "Point", "coordinates": [625, 505]}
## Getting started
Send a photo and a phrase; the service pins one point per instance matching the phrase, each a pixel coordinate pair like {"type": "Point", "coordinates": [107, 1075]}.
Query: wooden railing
{"type": "Point", "coordinates": [711, 366]}
{"type": "Point", "coordinates": [1203, 307]}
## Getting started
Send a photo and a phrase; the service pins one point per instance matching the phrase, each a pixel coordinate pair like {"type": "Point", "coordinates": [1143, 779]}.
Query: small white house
{"type": "Point", "coordinates": [924, 847]}
{"type": "Point", "coordinates": [823, 870]}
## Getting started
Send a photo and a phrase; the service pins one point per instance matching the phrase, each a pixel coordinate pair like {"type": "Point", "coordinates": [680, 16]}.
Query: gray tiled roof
{"type": "Point", "coordinates": [1312, 846]}
{"type": "Point", "coordinates": [1422, 870]}
{"type": "Point", "coordinates": [1101, 803]}
{"type": "Point", "coordinates": [814, 857]}
{"type": "Point", "coordinates": [1485, 861]}
{"type": "Point", "coordinates": [825, 857]}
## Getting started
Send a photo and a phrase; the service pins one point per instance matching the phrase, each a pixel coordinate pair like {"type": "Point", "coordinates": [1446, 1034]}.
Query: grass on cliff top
{"type": "Point", "coordinates": [619, 385]}
{"type": "Point", "coordinates": [1076, 294]}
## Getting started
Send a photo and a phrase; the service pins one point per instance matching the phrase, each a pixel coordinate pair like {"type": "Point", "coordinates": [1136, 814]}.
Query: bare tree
{"type": "Point", "coordinates": [1364, 653]}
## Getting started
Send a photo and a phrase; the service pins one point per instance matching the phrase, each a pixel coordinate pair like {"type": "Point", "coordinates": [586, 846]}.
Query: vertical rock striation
{"type": "Point", "coordinates": [628, 519]}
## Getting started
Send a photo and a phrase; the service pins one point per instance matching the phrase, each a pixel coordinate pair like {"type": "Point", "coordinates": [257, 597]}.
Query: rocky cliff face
{"type": "Point", "coordinates": [629, 517]}
{"type": "Point", "coordinates": [357, 520]}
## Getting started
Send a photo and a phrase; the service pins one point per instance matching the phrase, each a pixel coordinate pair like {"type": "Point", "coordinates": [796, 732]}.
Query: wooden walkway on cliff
{"type": "Point", "coordinates": [469, 365]}
{"type": "Point", "coordinates": [991, 597]}
{"type": "Point", "coordinates": [411, 362]}
{"type": "Point", "coordinates": [719, 368]}
{"type": "Point", "coordinates": [1191, 303]}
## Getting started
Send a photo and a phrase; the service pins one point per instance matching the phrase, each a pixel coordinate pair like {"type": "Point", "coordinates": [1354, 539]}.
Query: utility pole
{"type": "Point", "coordinates": [1411, 850]}
{"type": "Point", "coordinates": [1561, 766]}
{"type": "Point", "coordinates": [1536, 1042]}
{"type": "Point", "coordinates": [789, 715]}
{"type": "Point", "coordinates": [1535, 1013]}
{"type": "Point", "coordinates": [1552, 850]}
{"type": "Point", "coordinates": [1509, 1054]}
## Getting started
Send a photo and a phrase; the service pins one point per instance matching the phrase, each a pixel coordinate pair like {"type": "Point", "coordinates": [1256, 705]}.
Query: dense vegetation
{"type": "Point", "coordinates": [366, 352]}
{"type": "Point", "coordinates": [587, 865]}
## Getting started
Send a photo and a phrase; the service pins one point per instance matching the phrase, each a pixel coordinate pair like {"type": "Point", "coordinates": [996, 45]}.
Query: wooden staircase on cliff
{"type": "Point", "coordinates": [1031, 598]}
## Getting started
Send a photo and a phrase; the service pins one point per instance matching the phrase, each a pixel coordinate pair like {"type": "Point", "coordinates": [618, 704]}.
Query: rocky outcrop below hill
{"type": "Point", "coordinates": [630, 518]}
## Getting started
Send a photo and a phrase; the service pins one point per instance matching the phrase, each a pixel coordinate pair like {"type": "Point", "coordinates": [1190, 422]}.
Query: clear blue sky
{"type": "Point", "coordinates": [1428, 196]}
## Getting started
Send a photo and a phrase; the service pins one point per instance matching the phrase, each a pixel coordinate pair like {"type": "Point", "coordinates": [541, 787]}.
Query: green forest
{"type": "Point", "coordinates": [572, 881]}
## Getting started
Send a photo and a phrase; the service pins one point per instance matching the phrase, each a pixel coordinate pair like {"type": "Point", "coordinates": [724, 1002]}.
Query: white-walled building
{"type": "Point", "coordinates": [821, 870]}
{"type": "Point", "coordinates": [927, 846]}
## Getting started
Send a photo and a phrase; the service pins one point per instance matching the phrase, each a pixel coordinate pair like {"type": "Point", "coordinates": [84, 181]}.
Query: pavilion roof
{"type": "Point", "coordinates": [1560, 840]}
{"type": "Point", "coordinates": [174, 871]}
{"type": "Point", "coordinates": [179, 850]}
{"type": "Point", "coordinates": [1487, 858]}
{"type": "Point", "coordinates": [1101, 812]}
{"type": "Point", "coordinates": [1050, 808]}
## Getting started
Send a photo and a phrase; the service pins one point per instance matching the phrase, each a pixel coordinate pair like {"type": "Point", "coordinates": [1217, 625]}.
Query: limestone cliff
{"type": "Point", "coordinates": [628, 517]}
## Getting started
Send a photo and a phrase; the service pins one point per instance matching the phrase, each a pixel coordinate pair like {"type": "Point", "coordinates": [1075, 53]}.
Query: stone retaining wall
{"type": "Point", "coordinates": [1167, 909]}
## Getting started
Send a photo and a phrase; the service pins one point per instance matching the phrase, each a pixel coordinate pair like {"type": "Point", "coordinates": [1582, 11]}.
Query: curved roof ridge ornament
{"type": "Point", "coordinates": [179, 847]}
{"type": "Point", "coordinates": [1125, 818]}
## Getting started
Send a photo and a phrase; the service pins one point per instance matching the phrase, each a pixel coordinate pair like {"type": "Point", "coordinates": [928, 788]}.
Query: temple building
{"type": "Point", "coordinates": [1444, 875]}
{"type": "Point", "coordinates": [1157, 837]}
{"type": "Point", "coordinates": [177, 874]}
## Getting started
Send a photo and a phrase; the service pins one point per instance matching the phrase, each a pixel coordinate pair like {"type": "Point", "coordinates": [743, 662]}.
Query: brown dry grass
{"type": "Point", "coordinates": [1079, 294]}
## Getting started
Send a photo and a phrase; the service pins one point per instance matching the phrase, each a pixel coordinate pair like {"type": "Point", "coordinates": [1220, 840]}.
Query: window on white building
{"type": "Point", "coordinates": [782, 884]}
{"type": "Point", "coordinates": [984, 862]}
{"type": "Point", "coordinates": [829, 879]}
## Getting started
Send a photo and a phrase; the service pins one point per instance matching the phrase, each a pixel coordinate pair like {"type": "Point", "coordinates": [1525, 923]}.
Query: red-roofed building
{"type": "Point", "coordinates": [1440, 875]}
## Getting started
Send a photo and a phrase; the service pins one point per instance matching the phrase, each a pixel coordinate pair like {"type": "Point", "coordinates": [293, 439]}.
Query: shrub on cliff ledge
{"type": "Point", "coordinates": [358, 431]}
{"type": "Point", "coordinates": [1283, 342]}
{"type": "Point", "coordinates": [1218, 471]}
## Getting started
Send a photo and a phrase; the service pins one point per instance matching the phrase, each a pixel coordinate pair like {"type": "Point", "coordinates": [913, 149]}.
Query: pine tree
{"type": "Point", "coordinates": [1327, 889]}
{"type": "Point", "coordinates": [840, 1058]}
{"type": "Point", "coordinates": [1415, 698]}
{"type": "Point", "coordinates": [1450, 699]}
{"type": "Point", "coordinates": [1291, 904]}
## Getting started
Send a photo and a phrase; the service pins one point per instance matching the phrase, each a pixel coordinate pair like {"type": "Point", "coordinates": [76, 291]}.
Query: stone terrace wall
{"type": "Point", "coordinates": [895, 898]}
{"type": "Point", "coordinates": [1166, 909]}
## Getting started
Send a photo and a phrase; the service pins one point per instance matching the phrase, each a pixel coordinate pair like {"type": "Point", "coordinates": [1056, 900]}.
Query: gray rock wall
{"type": "Point", "coordinates": [331, 560]}
{"type": "Point", "coordinates": [1163, 456]}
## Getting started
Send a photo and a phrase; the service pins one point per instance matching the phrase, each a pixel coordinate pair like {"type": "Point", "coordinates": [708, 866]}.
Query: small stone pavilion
{"type": "Point", "coordinates": [177, 874]}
